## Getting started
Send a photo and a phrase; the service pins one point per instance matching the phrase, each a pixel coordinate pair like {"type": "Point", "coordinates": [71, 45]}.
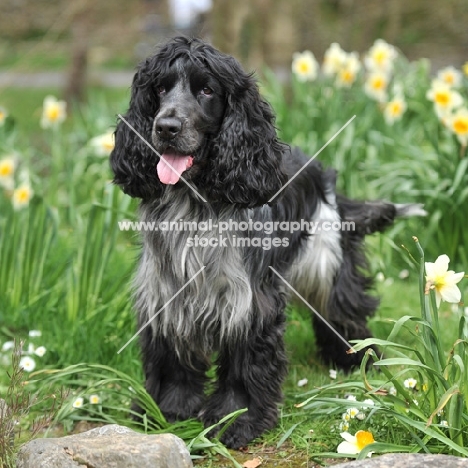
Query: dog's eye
{"type": "Point", "coordinates": [207, 91]}
{"type": "Point", "coordinates": [160, 89]}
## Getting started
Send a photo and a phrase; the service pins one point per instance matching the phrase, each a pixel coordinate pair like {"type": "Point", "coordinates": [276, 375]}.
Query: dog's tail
{"type": "Point", "coordinates": [370, 217]}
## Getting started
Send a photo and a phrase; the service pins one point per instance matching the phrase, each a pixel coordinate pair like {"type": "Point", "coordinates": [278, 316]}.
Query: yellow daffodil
{"type": "Point", "coordinates": [465, 68]}
{"type": "Point", "coordinates": [443, 280]}
{"type": "Point", "coordinates": [54, 112]}
{"type": "Point", "coordinates": [348, 72]}
{"type": "Point", "coordinates": [333, 59]}
{"type": "Point", "coordinates": [376, 86]}
{"type": "Point", "coordinates": [394, 110]}
{"type": "Point", "coordinates": [458, 124]}
{"type": "Point", "coordinates": [450, 76]}
{"type": "Point", "coordinates": [380, 57]}
{"type": "Point", "coordinates": [305, 66]}
{"type": "Point", "coordinates": [103, 144]}
{"type": "Point", "coordinates": [353, 444]}
{"type": "Point", "coordinates": [3, 115]}
{"type": "Point", "coordinates": [7, 170]}
{"type": "Point", "coordinates": [21, 196]}
{"type": "Point", "coordinates": [444, 97]}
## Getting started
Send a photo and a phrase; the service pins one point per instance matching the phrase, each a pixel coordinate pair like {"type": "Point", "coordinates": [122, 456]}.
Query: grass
{"type": "Point", "coordinates": [66, 268]}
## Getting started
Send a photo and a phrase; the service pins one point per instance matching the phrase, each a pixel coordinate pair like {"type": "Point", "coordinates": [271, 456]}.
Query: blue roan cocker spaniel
{"type": "Point", "coordinates": [212, 155]}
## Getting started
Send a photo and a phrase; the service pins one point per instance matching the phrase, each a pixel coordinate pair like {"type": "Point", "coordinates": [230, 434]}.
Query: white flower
{"type": "Point", "coordinates": [103, 144]}
{"type": "Point", "coordinates": [443, 423]}
{"type": "Point", "coordinates": [353, 412]}
{"type": "Point", "coordinates": [376, 85]}
{"type": "Point", "coordinates": [361, 416]}
{"type": "Point", "coordinates": [333, 60]}
{"type": "Point", "coordinates": [94, 399]}
{"type": "Point", "coordinates": [394, 110]}
{"type": "Point", "coordinates": [380, 57]}
{"type": "Point", "coordinates": [410, 383]}
{"type": "Point", "coordinates": [34, 333]}
{"type": "Point", "coordinates": [7, 169]}
{"type": "Point", "coordinates": [78, 403]}
{"type": "Point", "coordinates": [380, 277]}
{"type": "Point", "coordinates": [54, 112]}
{"type": "Point", "coordinates": [458, 124]}
{"type": "Point", "coordinates": [403, 274]}
{"type": "Point", "coordinates": [354, 444]}
{"type": "Point", "coordinates": [392, 391]}
{"type": "Point", "coordinates": [40, 351]}
{"type": "Point", "coordinates": [445, 99]}
{"type": "Point", "coordinates": [21, 196]}
{"type": "Point", "coordinates": [302, 382]}
{"type": "Point", "coordinates": [305, 66]}
{"type": "Point", "coordinates": [7, 346]}
{"type": "Point", "coordinates": [368, 402]}
{"type": "Point", "coordinates": [27, 363]}
{"type": "Point", "coordinates": [344, 426]}
{"type": "Point", "coordinates": [333, 374]}
{"type": "Point", "coordinates": [351, 398]}
{"type": "Point", "coordinates": [443, 280]}
{"type": "Point", "coordinates": [347, 74]}
{"type": "Point", "coordinates": [450, 76]}
{"type": "Point", "coordinates": [345, 417]}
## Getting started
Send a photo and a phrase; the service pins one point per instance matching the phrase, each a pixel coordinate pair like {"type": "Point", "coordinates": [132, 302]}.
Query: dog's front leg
{"type": "Point", "coordinates": [250, 374]}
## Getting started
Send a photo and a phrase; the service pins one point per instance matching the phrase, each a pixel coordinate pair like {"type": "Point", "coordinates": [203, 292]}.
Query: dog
{"type": "Point", "coordinates": [198, 145]}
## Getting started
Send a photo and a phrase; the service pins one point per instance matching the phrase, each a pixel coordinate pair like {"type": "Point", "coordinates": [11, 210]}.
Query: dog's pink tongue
{"type": "Point", "coordinates": [171, 166]}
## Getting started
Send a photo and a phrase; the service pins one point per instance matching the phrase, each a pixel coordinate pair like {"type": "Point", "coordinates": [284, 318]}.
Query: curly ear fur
{"type": "Point", "coordinates": [246, 163]}
{"type": "Point", "coordinates": [132, 160]}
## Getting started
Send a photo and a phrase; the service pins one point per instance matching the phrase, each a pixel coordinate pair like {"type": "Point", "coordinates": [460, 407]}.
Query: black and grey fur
{"type": "Point", "coordinates": [194, 100]}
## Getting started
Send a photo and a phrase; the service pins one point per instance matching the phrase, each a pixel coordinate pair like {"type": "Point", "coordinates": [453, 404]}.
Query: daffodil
{"type": "Point", "coordinates": [444, 98]}
{"type": "Point", "coordinates": [392, 391]}
{"type": "Point", "coordinates": [380, 57]}
{"type": "Point", "coordinates": [394, 109]}
{"type": "Point", "coordinates": [410, 383]}
{"type": "Point", "coordinates": [302, 382]}
{"type": "Point", "coordinates": [458, 124]}
{"type": "Point", "coordinates": [333, 59]}
{"type": "Point", "coordinates": [34, 333]}
{"type": "Point", "coordinates": [54, 112]}
{"type": "Point", "coordinates": [3, 115]}
{"type": "Point", "coordinates": [21, 196]}
{"type": "Point", "coordinates": [450, 76]}
{"type": "Point", "coordinates": [376, 86]}
{"type": "Point", "coordinates": [305, 66]}
{"type": "Point", "coordinates": [27, 363]}
{"type": "Point", "coordinates": [347, 74]}
{"type": "Point", "coordinates": [78, 403]}
{"type": "Point", "coordinates": [94, 399]}
{"type": "Point", "coordinates": [7, 346]}
{"type": "Point", "coordinates": [353, 444]}
{"type": "Point", "coordinates": [103, 144]}
{"type": "Point", "coordinates": [465, 68]}
{"type": "Point", "coordinates": [40, 351]}
{"type": "Point", "coordinates": [333, 374]}
{"type": "Point", "coordinates": [7, 170]}
{"type": "Point", "coordinates": [443, 423]}
{"type": "Point", "coordinates": [442, 280]}
{"type": "Point", "coordinates": [353, 412]}
{"type": "Point", "coordinates": [344, 426]}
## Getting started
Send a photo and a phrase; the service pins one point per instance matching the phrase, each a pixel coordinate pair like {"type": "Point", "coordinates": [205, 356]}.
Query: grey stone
{"type": "Point", "coordinates": [110, 446]}
{"type": "Point", "coordinates": [407, 460]}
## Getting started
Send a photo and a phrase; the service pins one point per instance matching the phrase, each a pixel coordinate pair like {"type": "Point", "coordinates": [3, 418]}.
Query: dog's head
{"type": "Point", "coordinates": [195, 116]}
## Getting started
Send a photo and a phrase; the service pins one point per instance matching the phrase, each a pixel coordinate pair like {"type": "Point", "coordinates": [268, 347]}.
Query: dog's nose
{"type": "Point", "coordinates": [167, 128]}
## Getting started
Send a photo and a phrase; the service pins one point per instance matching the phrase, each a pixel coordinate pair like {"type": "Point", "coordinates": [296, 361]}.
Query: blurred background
{"type": "Point", "coordinates": [83, 37]}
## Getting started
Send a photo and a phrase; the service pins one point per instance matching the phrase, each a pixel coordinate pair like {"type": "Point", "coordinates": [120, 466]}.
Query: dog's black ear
{"type": "Point", "coordinates": [132, 160]}
{"type": "Point", "coordinates": [247, 160]}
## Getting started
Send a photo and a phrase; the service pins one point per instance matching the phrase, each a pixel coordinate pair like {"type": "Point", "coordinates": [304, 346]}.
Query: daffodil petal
{"type": "Point", "coordinates": [347, 447]}
{"type": "Point", "coordinates": [450, 293]}
{"type": "Point", "coordinates": [453, 277]}
{"type": "Point", "coordinates": [348, 437]}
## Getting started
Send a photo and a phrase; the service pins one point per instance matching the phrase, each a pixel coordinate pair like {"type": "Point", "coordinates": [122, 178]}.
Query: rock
{"type": "Point", "coordinates": [110, 446]}
{"type": "Point", "coordinates": [407, 460]}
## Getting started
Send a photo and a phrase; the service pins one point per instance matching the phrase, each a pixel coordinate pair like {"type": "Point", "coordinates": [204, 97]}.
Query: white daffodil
{"type": "Point", "coordinates": [333, 374]}
{"type": "Point", "coordinates": [40, 351]}
{"type": "Point", "coordinates": [103, 144]}
{"type": "Point", "coordinates": [450, 76]}
{"type": "Point", "coordinates": [34, 333]}
{"type": "Point", "coordinates": [380, 57]}
{"type": "Point", "coordinates": [348, 72]}
{"type": "Point", "coordinates": [333, 59]}
{"type": "Point", "coordinates": [445, 98]}
{"type": "Point", "coordinates": [443, 423]}
{"type": "Point", "coordinates": [351, 397]}
{"type": "Point", "coordinates": [392, 391]}
{"type": "Point", "coordinates": [78, 403]}
{"type": "Point", "coordinates": [353, 444]}
{"type": "Point", "coordinates": [21, 196]}
{"type": "Point", "coordinates": [353, 412]}
{"type": "Point", "coordinates": [7, 346]}
{"type": "Point", "coordinates": [94, 399]}
{"type": "Point", "coordinates": [443, 280]}
{"type": "Point", "coordinates": [458, 124]}
{"type": "Point", "coordinates": [54, 112]}
{"type": "Point", "coordinates": [376, 86]}
{"type": "Point", "coordinates": [410, 383]}
{"type": "Point", "coordinates": [394, 110]}
{"type": "Point", "coordinates": [368, 403]}
{"type": "Point", "coordinates": [305, 66]}
{"type": "Point", "coordinates": [344, 426]}
{"type": "Point", "coordinates": [27, 363]}
{"type": "Point", "coordinates": [7, 170]}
